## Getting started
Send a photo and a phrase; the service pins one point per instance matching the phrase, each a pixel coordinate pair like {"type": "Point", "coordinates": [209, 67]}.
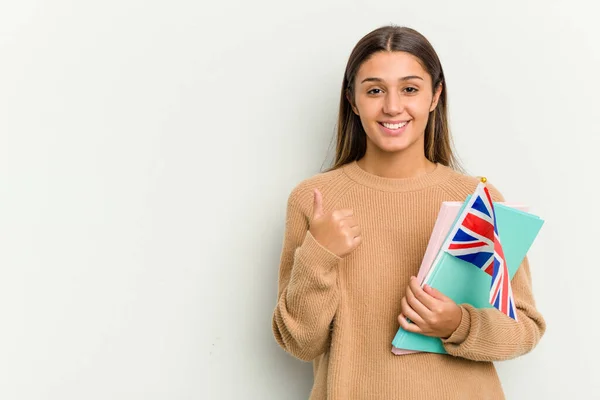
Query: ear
{"type": "Point", "coordinates": [436, 97]}
{"type": "Point", "coordinates": [351, 101]}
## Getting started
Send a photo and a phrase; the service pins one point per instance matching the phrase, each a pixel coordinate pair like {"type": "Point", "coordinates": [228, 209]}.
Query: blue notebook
{"type": "Point", "coordinates": [464, 282]}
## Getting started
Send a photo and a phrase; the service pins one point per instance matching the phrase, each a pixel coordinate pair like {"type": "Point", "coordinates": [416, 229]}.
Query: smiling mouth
{"type": "Point", "coordinates": [394, 126]}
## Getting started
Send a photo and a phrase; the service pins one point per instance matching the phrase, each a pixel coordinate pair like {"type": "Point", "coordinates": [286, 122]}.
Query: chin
{"type": "Point", "coordinates": [393, 146]}
{"type": "Point", "coordinates": [393, 149]}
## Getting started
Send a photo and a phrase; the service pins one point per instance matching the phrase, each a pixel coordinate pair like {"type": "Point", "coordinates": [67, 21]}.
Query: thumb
{"type": "Point", "coordinates": [435, 293]}
{"type": "Point", "coordinates": [318, 204]}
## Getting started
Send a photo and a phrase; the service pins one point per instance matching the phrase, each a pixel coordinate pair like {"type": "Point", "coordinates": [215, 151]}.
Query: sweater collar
{"type": "Point", "coordinates": [432, 178]}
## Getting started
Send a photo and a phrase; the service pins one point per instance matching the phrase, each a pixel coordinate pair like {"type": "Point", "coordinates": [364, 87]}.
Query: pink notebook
{"type": "Point", "coordinates": [446, 217]}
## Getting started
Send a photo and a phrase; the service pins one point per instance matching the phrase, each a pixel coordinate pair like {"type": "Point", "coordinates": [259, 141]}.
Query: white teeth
{"type": "Point", "coordinates": [394, 126]}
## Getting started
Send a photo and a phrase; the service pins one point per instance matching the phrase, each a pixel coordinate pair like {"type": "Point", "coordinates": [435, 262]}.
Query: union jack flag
{"type": "Point", "coordinates": [475, 239]}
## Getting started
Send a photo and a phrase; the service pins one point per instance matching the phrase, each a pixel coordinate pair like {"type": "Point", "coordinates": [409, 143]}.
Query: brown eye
{"type": "Point", "coordinates": [411, 90]}
{"type": "Point", "coordinates": [374, 91]}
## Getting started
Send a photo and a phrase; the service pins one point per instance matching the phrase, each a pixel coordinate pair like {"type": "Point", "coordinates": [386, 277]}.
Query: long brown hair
{"type": "Point", "coordinates": [351, 137]}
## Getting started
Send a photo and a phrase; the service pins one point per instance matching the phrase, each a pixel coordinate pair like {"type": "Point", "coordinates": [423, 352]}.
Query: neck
{"type": "Point", "coordinates": [396, 165]}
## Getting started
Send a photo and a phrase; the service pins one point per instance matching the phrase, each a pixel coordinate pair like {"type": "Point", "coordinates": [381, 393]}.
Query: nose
{"type": "Point", "coordinates": [393, 104]}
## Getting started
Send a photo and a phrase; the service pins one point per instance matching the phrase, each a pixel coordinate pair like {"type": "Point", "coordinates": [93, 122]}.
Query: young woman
{"type": "Point", "coordinates": [355, 236]}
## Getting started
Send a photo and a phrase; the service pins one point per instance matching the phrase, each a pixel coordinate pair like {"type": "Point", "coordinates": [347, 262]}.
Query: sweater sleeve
{"type": "Point", "coordinates": [308, 295]}
{"type": "Point", "coordinates": [489, 335]}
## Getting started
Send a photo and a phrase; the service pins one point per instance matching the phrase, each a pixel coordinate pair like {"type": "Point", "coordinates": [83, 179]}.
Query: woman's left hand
{"type": "Point", "coordinates": [430, 312]}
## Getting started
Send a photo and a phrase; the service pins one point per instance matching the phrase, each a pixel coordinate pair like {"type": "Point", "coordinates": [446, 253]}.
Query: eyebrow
{"type": "Point", "coordinates": [405, 78]}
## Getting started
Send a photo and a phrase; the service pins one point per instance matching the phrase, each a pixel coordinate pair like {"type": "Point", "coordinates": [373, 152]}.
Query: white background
{"type": "Point", "coordinates": [147, 149]}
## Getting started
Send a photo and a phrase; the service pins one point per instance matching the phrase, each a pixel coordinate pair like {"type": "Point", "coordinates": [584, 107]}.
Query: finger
{"type": "Point", "coordinates": [343, 213]}
{"type": "Point", "coordinates": [419, 293]}
{"type": "Point", "coordinates": [317, 204]}
{"type": "Point", "coordinates": [407, 326]}
{"type": "Point", "coordinates": [410, 313]}
{"type": "Point", "coordinates": [354, 231]}
{"type": "Point", "coordinates": [351, 221]}
{"type": "Point", "coordinates": [415, 304]}
{"type": "Point", "coordinates": [433, 292]}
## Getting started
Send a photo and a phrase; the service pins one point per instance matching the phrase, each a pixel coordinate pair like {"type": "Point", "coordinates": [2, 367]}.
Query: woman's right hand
{"type": "Point", "coordinates": [337, 231]}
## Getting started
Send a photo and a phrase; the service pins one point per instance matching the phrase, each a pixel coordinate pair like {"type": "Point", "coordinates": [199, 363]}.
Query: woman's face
{"type": "Point", "coordinates": [393, 97]}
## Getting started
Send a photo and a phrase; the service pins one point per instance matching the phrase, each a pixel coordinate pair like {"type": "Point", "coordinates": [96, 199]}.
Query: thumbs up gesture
{"type": "Point", "coordinates": [337, 231]}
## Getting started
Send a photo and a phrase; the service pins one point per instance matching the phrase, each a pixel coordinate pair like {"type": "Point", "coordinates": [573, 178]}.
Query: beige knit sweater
{"type": "Point", "coordinates": [341, 313]}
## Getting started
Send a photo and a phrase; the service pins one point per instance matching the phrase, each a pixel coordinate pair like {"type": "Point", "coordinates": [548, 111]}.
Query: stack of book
{"type": "Point", "coordinates": [475, 249]}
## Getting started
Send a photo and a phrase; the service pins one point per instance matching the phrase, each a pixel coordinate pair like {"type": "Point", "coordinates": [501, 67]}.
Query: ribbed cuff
{"type": "Point", "coordinates": [314, 260]}
{"type": "Point", "coordinates": [316, 251]}
{"type": "Point", "coordinates": [461, 333]}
